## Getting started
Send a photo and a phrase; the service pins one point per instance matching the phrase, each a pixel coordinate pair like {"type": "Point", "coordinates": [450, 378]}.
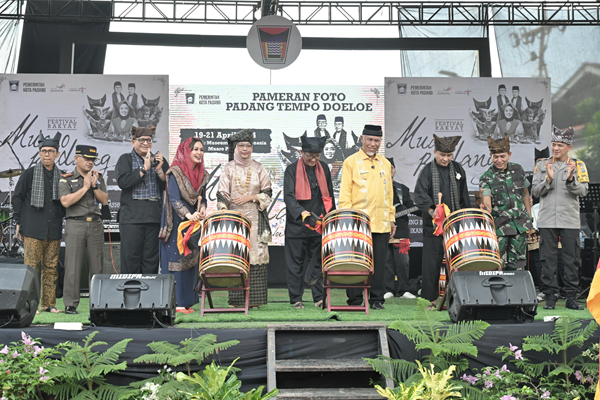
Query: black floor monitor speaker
{"type": "Point", "coordinates": [132, 300]}
{"type": "Point", "coordinates": [19, 295]}
{"type": "Point", "coordinates": [501, 297]}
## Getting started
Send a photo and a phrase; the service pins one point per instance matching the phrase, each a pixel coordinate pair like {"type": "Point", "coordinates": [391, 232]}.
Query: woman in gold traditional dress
{"type": "Point", "coordinates": [245, 186]}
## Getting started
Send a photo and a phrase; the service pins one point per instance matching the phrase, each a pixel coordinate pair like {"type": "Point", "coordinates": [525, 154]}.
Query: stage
{"type": "Point", "coordinates": [252, 333]}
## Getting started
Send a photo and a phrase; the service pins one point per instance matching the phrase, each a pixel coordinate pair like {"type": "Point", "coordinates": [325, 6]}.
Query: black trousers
{"type": "Point", "coordinates": [397, 266]}
{"type": "Point", "coordinates": [380, 250]}
{"type": "Point", "coordinates": [139, 248]}
{"type": "Point", "coordinates": [569, 239]}
{"type": "Point", "coordinates": [298, 253]}
{"type": "Point", "coordinates": [535, 267]}
{"type": "Point", "coordinates": [433, 253]}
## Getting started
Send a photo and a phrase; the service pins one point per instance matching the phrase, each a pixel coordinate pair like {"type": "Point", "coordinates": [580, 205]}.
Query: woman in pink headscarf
{"type": "Point", "coordinates": [185, 201]}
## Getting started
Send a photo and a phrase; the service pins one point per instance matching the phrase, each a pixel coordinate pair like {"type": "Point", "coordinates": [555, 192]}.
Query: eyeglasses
{"type": "Point", "coordinates": [47, 152]}
{"type": "Point", "coordinates": [313, 156]}
{"type": "Point", "coordinates": [144, 140]}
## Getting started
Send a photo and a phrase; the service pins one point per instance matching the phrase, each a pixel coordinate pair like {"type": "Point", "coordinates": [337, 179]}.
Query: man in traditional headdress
{"type": "Point", "coordinates": [502, 99]}
{"type": "Point", "coordinates": [517, 100]}
{"type": "Point", "coordinates": [442, 175]}
{"type": "Point", "coordinates": [38, 214]}
{"type": "Point", "coordinates": [117, 97]}
{"type": "Point", "coordinates": [340, 134]}
{"type": "Point", "coordinates": [367, 186]}
{"type": "Point", "coordinates": [141, 177]}
{"type": "Point", "coordinates": [308, 195]}
{"type": "Point", "coordinates": [132, 98]}
{"type": "Point", "coordinates": [321, 130]}
{"type": "Point", "coordinates": [559, 182]}
{"type": "Point", "coordinates": [82, 193]}
{"type": "Point", "coordinates": [506, 197]}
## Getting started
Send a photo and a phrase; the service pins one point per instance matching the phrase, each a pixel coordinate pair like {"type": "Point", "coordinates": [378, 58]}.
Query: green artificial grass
{"type": "Point", "coordinates": [44, 317]}
{"type": "Point", "coordinates": [279, 310]}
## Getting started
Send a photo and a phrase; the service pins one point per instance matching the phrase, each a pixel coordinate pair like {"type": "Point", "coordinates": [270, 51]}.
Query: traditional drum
{"type": "Point", "coordinates": [225, 247]}
{"type": "Point", "coordinates": [347, 245]}
{"type": "Point", "coordinates": [470, 241]}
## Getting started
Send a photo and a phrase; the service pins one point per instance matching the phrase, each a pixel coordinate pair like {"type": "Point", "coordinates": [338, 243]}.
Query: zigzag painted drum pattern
{"type": "Point", "coordinates": [470, 241]}
{"type": "Point", "coordinates": [225, 246]}
{"type": "Point", "coordinates": [347, 244]}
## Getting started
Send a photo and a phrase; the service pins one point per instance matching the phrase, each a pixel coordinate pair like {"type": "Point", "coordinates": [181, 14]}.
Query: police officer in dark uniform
{"type": "Point", "coordinates": [81, 193]}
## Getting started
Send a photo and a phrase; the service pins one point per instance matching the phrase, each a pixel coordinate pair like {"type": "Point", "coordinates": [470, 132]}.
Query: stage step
{"type": "Point", "coordinates": [325, 365]}
{"type": "Point", "coordinates": [329, 394]}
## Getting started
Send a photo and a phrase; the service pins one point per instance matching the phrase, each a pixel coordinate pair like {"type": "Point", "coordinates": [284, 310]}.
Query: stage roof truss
{"type": "Point", "coordinates": [458, 13]}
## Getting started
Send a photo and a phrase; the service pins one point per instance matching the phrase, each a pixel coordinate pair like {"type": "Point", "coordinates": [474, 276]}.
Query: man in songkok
{"type": "Point", "coordinates": [367, 186]}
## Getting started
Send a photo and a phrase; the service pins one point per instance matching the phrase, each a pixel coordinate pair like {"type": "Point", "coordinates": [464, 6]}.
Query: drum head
{"type": "Point", "coordinates": [478, 265]}
{"type": "Point", "coordinates": [228, 282]}
{"type": "Point", "coordinates": [347, 267]}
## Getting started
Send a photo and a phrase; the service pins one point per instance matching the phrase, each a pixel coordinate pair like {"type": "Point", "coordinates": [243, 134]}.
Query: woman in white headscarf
{"type": "Point", "coordinates": [245, 186]}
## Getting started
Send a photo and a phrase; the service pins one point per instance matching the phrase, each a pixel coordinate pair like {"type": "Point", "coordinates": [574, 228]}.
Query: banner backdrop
{"type": "Point", "coordinates": [474, 108]}
{"type": "Point", "coordinates": [97, 110]}
{"type": "Point", "coordinates": [279, 115]}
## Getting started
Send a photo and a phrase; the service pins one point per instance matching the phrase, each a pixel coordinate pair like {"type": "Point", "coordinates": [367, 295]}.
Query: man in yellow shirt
{"type": "Point", "coordinates": [367, 186]}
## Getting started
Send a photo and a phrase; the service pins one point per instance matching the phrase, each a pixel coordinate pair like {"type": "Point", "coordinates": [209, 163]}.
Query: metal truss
{"type": "Point", "coordinates": [459, 13]}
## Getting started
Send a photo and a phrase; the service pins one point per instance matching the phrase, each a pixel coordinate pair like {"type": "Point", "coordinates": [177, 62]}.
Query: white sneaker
{"type": "Point", "coordinates": [541, 296]}
{"type": "Point", "coordinates": [408, 295]}
{"type": "Point", "coordinates": [388, 295]}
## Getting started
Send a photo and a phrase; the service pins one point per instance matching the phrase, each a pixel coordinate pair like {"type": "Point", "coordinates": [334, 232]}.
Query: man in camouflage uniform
{"type": "Point", "coordinates": [505, 193]}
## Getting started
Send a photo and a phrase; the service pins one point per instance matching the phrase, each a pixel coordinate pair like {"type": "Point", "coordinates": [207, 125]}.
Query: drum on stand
{"type": "Point", "coordinates": [470, 241]}
{"type": "Point", "coordinates": [225, 247]}
{"type": "Point", "coordinates": [347, 245]}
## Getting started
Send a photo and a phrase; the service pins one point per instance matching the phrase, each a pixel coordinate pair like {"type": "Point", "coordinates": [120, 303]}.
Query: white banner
{"type": "Point", "coordinates": [279, 115]}
{"type": "Point", "coordinates": [96, 110]}
{"type": "Point", "coordinates": [417, 108]}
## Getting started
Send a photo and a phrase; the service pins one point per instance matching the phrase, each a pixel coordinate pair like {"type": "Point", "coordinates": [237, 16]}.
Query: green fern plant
{"type": "Point", "coordinates": [188, 352]}
{"type": "Point", "coordinates": [566, 334]}
{"type": "Point", "coordinates": [216, 383]}
{"type": "Point", "coordinates": [446, 344]}
{"type": "Point", "coordinates": [80, 375]}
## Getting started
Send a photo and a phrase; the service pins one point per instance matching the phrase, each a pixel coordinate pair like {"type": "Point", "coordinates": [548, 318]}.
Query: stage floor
{"type": "Point", "coordinates": [279, 310]}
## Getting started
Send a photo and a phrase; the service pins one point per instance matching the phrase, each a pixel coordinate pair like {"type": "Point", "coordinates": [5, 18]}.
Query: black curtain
{"type": "Point", "coordinates": [40, 43]}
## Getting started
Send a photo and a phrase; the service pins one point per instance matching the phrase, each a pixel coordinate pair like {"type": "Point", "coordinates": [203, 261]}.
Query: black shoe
{"type": "Point", "coordinates": [377, 306]}
{"type": "Point", "coordinates": [550, 302]}
{"type": "Point", "coordinates": [573, 304]}
{"type": "Point", "coordinates": [71, 310]}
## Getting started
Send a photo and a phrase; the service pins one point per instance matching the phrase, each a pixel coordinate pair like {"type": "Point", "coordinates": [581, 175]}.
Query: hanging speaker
{"type": "Point", "coordinates": [140, 300]}
{"type": "Point", "coordinates": [501, 297]}
{"type": "Point", "coordinates": [19, 295]}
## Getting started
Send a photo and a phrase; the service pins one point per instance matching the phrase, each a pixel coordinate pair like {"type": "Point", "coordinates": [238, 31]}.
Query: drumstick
{"type": "Point", "coordinates": [439, 198]}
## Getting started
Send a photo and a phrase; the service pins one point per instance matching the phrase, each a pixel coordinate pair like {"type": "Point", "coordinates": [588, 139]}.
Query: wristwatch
{"type": "Point", "coordinates": [94, 188]}
{"type": "Point", "coordinates": [143, 171]}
